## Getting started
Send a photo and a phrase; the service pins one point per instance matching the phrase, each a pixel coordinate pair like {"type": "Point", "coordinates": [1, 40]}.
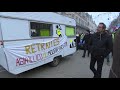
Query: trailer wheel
{"type": "Point", "coordinates": [55, 62]}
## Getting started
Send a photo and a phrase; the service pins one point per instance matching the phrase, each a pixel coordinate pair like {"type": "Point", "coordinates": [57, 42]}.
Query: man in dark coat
{"type": "Point", "coordinates": [101, 45]}
{"type": "Point", "coordinates": [115, 69]}
{"type": "Point", "coordinates": [86, 44]}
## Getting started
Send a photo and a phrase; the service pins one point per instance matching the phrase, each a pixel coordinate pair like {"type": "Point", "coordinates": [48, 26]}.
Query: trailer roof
{"type": "Point", "coordinates": [40, 16]}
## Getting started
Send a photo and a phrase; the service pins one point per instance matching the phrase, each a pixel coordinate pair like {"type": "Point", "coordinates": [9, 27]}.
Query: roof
{"type": "Point", "coordinates": [40, 16]}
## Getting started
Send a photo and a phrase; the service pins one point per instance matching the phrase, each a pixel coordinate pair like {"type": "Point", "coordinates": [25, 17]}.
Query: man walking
{"type": "Point", "coordinates": [101, 45]}
{"type": "Point", "coordinates": [86, 45]}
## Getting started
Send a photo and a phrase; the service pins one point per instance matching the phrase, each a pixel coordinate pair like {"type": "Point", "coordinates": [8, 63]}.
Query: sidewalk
{"type": "Point", "coordinates": [85, 63]}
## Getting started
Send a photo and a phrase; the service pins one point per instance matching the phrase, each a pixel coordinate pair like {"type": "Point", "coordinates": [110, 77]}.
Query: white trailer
{"type": "Point", "coordinates": [31, 39]}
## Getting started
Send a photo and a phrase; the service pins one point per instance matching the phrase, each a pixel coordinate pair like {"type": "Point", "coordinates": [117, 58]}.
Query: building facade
{"type": "Point", "coordinates": [114, 24]}
{"type": "Point", "coordinates": [83, 20]}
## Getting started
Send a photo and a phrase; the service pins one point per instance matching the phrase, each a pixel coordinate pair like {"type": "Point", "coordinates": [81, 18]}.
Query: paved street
{"type": "Point", "coordinates": [70, 67]}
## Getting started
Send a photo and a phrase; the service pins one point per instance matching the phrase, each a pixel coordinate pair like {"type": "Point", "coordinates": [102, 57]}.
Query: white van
{"type": "Point", "coordinates": [31, 39]}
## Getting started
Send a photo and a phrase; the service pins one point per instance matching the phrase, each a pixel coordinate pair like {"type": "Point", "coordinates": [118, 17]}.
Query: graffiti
{"type": "Point", "coordinates": [58, 31]}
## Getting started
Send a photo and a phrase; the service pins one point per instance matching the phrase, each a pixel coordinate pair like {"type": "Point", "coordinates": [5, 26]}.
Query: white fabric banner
{"type": "Point", "coordinates": [32, 53]}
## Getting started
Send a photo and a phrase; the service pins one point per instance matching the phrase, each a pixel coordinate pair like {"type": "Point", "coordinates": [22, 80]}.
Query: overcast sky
{"type": "Point", "coordinates": [103, 17]}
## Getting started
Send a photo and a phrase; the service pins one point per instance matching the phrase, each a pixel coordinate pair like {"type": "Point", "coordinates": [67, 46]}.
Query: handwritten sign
{"type": "Point", "coordinates": [41, 46]}
{"type": "Point", "coordinates": [40, 51]}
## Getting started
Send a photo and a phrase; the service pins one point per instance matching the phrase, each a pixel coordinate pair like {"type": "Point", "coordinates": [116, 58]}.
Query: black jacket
{"type": "Point", "coordinates": [100, 44]}
{"type": "Point", "coordinates": [86, 38]}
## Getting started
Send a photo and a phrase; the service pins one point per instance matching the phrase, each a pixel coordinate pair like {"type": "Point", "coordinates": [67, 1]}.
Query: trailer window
{"type": "Point", "coordinates": [70, 31]}
{"type": "Point", "coordinates": [40, 29]}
